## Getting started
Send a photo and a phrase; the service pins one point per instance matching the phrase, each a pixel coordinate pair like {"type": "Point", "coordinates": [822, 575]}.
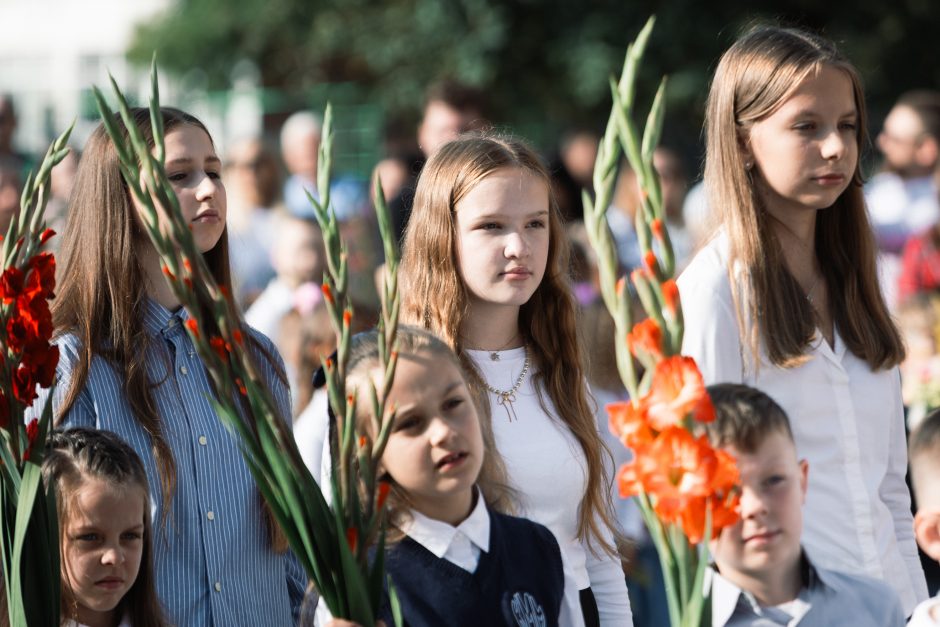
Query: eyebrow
{"type": "Point", "coordinates": [490, 216]}
{"type": "Point", "coordinates": [213, 159]}
{"type": "Point", "coordinates": [813, 113]}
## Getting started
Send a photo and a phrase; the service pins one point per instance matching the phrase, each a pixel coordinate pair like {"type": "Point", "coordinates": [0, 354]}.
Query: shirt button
{"type": "Point", "coordinates": [218, 587]}
{"type": "Point", "coordinates": [210, 515]}
{"type": "Point", "coordinates": [202, 440]}
{"type": "Point", "coordinates": [184, 370]}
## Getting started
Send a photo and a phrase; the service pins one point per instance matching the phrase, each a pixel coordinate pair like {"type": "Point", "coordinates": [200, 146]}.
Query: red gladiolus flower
{"type": "Point", "coordinates": [193, 327]}
{"type": "Point", "coordinates": [46, 235]}
{"type": "Point", "coordinates": [188, 266]}
{"type": "Point", "coordinates": [32, 431]}
{"type": "Point", "coordinates": [649, 259]}
{"type": "Point", "coordinates": [362, 441]}
{"type": "Point", "coordinates": [24, 385]}
{"type": "Point", "coordinates": [347, 317]}
{"type": "Point", "coordinates": [646, 336]}
{"type": "Point", "coordinates": [628, 422]}
{"type": "Point", "coordinates": [188, 282]}
{"type": "Point", "coordinates": [384, 489]}
{"type": "Point", "coordinates": [169, 274]}
{"type": "Point", "coordinates": [42, 275]}
{"type": "Point", "coordinates": [11, 284]}
{"type": "Point", "coordinates": [327, 293]}
{"type": "Point", "coordinates": [218, 345]}
{"type": "Point", "coordinates": [238, 337]}
{"type": "Point", "coordinates": [677, 390]}
{"type": "Point", "coordinates": [352, 537]}
{"type": "Point", "coordinates": [241, 386]}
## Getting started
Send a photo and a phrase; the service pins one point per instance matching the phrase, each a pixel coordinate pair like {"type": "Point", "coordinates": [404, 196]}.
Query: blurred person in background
{"type": "Point", "coordinates": [21, 161]}
{"type": "Point", "coordinates": [10, 190]}
{"type": "Point", "coordinates": [298, 259]}
{"type": "Point", "coordinates": [573, 170]}
{"type": "Point", "coordinates": [60, 187]}
{"type": "Point", "coordinates": [902, 198]}
{"type": "Point", "coordinates": [627, 201]}
{"type": "Point", "coordinates": [254, 187]}
{"type": "Point", "coordinates": [450, 108]}
{"type": "Point", "coordinates": [300, 145]}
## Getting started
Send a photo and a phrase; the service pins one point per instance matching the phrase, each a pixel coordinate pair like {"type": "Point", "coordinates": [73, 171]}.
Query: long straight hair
{"type": "Point", "coordinates": [753, 79]}
{"type": "Point", "coordinates": [102, 289]}
{"type": "Point", "coordinates": [435, 297]}
{"type": "Point", "coordinates": [72, 458]}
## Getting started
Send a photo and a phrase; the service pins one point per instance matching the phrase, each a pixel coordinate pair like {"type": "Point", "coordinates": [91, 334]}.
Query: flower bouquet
{"type": "Point", "coordinates": [29, 538]}
{"type": "Point", "coordinates": [332, 545]}
{"type": "Point", "coordinates": [687, 490]}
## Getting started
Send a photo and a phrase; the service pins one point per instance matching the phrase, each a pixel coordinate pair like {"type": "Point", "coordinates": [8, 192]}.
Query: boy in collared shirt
{"type": "Point", "coordinates": [762, 575]}
{"type": "Point", "coordinates": [925, 474]}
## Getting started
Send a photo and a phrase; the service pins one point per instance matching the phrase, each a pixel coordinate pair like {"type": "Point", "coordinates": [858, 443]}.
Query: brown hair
{"type": "Point", "coordinates": [74, 456]}
{"type": "Point", "coordinates": [744, 417]}
{"type": "Point", "coordinates": [754, 78]}
{"type": "Point", "coordinates": [364, 358]}
{"type": "Point", "coordinates": [434, 296]}
{"type": "Point", "coordinates": [102, 289]}
{"type": "Point", "coordinates": [924, 446]}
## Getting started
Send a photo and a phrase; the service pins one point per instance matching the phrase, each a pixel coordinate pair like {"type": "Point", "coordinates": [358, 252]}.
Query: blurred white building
{"type": "Point", "coordinates": [53, 51]}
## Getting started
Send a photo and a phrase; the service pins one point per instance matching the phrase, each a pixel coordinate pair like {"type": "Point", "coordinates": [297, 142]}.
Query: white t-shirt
{"type": "Point", "coordinates": [847, 421]}
{"type": "Point", "coordinates": [546, 465]}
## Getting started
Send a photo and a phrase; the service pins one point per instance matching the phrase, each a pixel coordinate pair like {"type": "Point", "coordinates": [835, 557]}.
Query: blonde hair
{"type": "Point", "coordinates": [753, 79]}
{"type": "Point", "coordinates": [363, 359]}
{"type": "Point", "coordinates": [435, 297]}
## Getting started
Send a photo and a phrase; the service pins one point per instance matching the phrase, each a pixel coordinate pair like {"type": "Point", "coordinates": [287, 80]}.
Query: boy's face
{"type": "Point", "coordinates": [927, 492]}
{"type": "Point", "coordinates": [773, 487]}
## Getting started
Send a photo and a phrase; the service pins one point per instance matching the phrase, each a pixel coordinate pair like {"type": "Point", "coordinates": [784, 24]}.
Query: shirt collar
{"type": "Point", "coordinates": [726, 595]}
{"type": "Point", "coordinates": [158, 319]}
{"type": "Point", "coordinates": [436, 536]}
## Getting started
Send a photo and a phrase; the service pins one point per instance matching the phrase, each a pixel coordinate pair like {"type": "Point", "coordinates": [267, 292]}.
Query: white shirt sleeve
{"type": "Point", "coordinates": [609, 586]}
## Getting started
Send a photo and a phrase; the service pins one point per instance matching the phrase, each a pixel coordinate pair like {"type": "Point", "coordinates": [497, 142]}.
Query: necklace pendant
{"type": "Point", "coordinates": [494, 356]}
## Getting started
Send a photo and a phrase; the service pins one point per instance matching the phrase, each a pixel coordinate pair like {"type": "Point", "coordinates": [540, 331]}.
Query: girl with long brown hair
{"type": "Point", "coordinates": [786, 298]}
{"type": "Point", "coordinates": [484, 267]}
{"type": "Point", "coordinates": [128, 366]}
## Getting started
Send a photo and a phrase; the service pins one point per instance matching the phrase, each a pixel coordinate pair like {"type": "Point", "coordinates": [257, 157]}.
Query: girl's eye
{"type": "Point", "coordinates": [214, 175]}
{"type": "Point", "coordinates": [537, 224]}
{"type": "Point", "coordinates": [132, 535]}
{"type": "Point", "coordinates": [774, 481]}
{"type": "Point", "coordinates": [176, 177]}
{"type": "Point", "coordinates": [804, 127]}
{"type": "Point", "coordinates": [407, 424]}
{"type": "Point", "coordinates": [489, 226]}
{"type": "Point", "coordinates": [452, 403]}
{"type": "Point", "coordinates": [848, 126]}
{"type": "Point", "coordinates": [87, 537]}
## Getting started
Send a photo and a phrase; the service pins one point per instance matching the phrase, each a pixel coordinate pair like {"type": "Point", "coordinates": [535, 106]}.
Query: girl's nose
{"type": "Point", "coordinates": [516, 245]}
{"type": "Point", "coordinates": [751, 504]}
{"type": "Point", "coordinates": [439, 432]}
{"type": "Point", "coordinates": [833, 146]}
{"type": "Point", "coordinates": [208, 187]}
{"type": "Point", "coordinates": [112, 555]}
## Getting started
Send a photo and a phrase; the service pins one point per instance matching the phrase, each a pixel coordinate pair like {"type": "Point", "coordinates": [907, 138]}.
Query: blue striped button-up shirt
{"type": "Point", "coordinates": [213, 557]}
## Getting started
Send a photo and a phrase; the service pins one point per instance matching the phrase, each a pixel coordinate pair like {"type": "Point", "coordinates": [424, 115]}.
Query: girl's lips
{"type": "Point", "coordinates": [207, 216]}
{"type": "Point", "coordinates": [761, 538]}
{"type": "Point", "coordinates": [517, 274]}
{"type": "Point", "coordinates": [110, 583]}
{"type": "Point", "coordinates": [448, 462]}
{"type": "Point", "coordinates": [830, 179]}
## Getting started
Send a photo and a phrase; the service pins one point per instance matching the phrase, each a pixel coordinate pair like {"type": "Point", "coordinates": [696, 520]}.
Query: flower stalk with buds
{"type": "Point", "coordinates": [330, 544]}
{"type": "Point", "coordinates": [29, 537]}
{"type": "Point", "coordinates": [686, 489]}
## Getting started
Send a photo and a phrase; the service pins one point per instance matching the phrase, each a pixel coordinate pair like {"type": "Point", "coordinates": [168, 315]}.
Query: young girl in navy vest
{"type": "Point", "coordinates": [452, 559]}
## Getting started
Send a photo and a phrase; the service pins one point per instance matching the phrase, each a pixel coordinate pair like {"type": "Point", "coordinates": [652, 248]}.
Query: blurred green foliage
{"type": "Point", "coordinates": [542, 63]}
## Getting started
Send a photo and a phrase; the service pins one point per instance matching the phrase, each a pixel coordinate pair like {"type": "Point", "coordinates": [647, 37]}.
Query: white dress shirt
{"type": "Point", "coordinates": [847, 421]}
{"type": "Point", "coordinates": [460, 545]}
{"type": "Point", "coordinates": [927, 614]}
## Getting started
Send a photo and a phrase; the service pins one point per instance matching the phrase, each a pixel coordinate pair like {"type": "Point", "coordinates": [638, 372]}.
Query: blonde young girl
{"type": "Point", "coordinates": [128, 366]}
{"type": "Point", "coordinates": [786, 297]}
{"type": "Point", "coordinates": [484, 267]}
{"type": "Point", "coordinates": [453, 558]}
{"type": "Point", "coordinates": [104, 530]}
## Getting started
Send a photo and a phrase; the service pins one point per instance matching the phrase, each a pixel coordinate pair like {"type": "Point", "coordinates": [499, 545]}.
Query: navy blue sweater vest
{"type": "Point", "coordinates": [519, 583]}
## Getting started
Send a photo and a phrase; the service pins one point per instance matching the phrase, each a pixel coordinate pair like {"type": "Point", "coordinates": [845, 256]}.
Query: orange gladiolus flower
{"type": "Point", "coordinates": [627, 481]}
{"type": "Point", "coordinates": [384, 488]}
{"type": "Point", "coordinates": [648, 337]}
{"type": "Point", "coordinates": [193, 327]}
{"type": "Point", "coordinates": [671, 297]}
{"type": "Point", "coordinates": [628, 422]}
{"type": "Point", "coordinates": [676, 466]}
{"type": "Point", "coordinates": [650, 260]}
{"type": "Point", "coordinates": [657, 227]}
{"type": "Point", "coordinates": [677, 390]}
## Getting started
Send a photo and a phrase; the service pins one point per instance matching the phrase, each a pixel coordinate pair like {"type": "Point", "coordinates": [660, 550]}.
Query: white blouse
{"type": "Point", "coordinates": [847, 421]}
{"type": "Point", "coordinates": [546, 465]}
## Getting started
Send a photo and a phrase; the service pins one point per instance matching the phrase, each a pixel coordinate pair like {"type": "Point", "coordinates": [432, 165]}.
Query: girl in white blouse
{"type": "Point", "coordinates": [484, 267]}
{"type": "Point", "coordinates": [786, 297]}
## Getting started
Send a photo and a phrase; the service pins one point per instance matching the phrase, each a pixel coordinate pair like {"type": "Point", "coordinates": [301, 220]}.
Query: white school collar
{"type": "Point", "coordinates": [436, 536]}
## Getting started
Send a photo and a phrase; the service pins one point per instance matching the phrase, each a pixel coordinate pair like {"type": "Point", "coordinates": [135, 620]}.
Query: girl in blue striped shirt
{"type": "Point", "coordinates": [128, 366]}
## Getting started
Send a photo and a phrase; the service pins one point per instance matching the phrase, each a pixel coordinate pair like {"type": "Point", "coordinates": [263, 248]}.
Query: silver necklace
{"type": "Point", "coordinates": [507, 397]}
{"type": "Point", "coordinates": [494, 355]}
